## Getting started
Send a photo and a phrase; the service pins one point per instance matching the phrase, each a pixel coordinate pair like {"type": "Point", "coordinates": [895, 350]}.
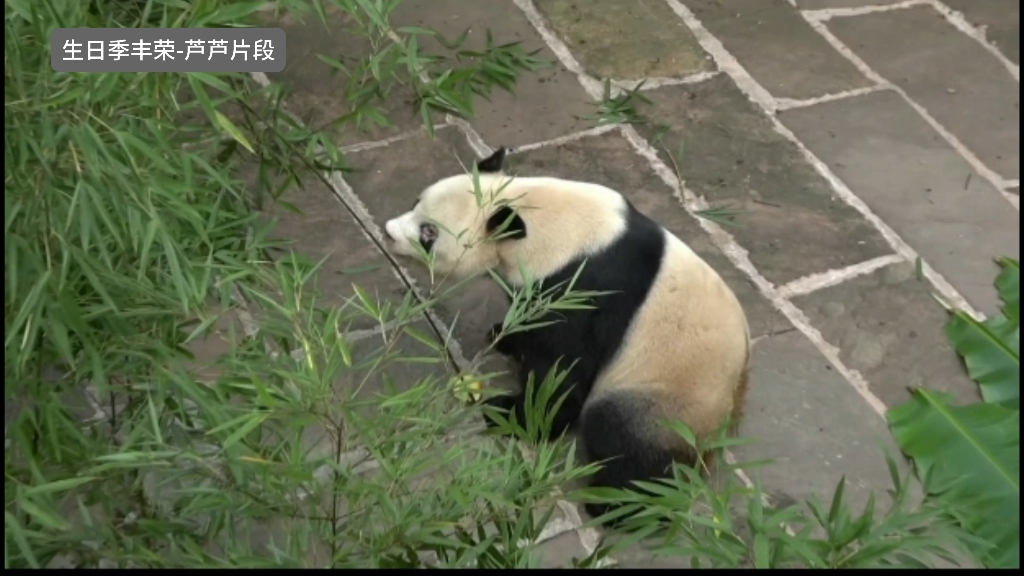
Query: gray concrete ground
{"type": "Point", "coordinates": [856, 135]}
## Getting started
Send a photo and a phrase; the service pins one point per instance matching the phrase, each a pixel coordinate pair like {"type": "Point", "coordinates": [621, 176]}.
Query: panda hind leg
{"type": "Point", "coordinates": [619, 430]}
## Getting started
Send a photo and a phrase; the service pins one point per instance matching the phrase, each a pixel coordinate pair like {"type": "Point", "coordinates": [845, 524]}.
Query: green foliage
{"type": "Point", "coordinates": [722, 215]}
{"type": "Point", "coordinates": [969, 456]}
{"type": "Point", "coordinates": [991, 349]}
{"type": "Point", "coordinates": [131, 238]}
{"type": "Point", "coordinates": [447, 82]}
{"type": "Point", "coordinates": [621, 108]}
{"type": "Point", "coordinates": [724, 524]}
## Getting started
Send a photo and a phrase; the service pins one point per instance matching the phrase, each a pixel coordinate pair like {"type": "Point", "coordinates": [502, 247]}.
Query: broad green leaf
{"type": "Point", "coordinates": [969, 456]}
{"type": "Point", "coordinates": [1008, 285]}
{"type": "Point", "coordinates": [991, 351]}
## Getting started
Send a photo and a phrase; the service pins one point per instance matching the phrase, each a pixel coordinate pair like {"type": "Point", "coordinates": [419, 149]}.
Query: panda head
{"type": "Point", "coordinates": [457, 228]}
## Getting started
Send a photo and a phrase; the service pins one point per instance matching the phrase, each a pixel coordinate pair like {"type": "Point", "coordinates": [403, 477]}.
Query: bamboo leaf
{"type": "Point", "coordinates": [991, 351]}
{"type": "Point", "coordinates": [229, 127]}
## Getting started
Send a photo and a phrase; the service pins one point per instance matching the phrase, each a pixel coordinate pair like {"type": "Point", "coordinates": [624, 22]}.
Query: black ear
{"type": "Point", "coordinates": [507, 223]}
{"type": "Point", "coordinates": [492, 163]}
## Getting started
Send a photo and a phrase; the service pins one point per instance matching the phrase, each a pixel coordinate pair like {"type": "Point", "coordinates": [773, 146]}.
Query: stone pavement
{"type": "Point", "coordinates": [856, 136]}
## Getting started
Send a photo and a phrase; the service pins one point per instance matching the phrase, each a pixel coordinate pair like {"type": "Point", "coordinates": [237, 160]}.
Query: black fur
{"type": "Point", "coordinates": [613, 434]}
{"type": "Point", "coordinates": [591, 338]}
{"type": "Point", "coordinates": [515, 229]}
{"type": "Point", "coordinates": [492, 163]}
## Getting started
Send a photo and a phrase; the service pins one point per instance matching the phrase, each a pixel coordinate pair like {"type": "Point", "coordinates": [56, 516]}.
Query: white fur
{"type": "Point", "coordinates": [564, 219]}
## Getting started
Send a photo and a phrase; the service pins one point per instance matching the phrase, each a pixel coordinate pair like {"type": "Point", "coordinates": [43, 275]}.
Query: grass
{"type": "Point", "coordinates": [620, 108]}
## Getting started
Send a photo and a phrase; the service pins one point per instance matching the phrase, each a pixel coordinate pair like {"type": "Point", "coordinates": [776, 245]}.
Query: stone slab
{"type": "Point", "coordinates": [889, 328]}
{"type": "Point", "coordinates": [642, 556]}
{"type": "Point", "coordinates": [889, 156]}
{"type": "Point", "coordinates": [821, 4]}
{"type": "Point", "coordinates": [793, 224]}
{"type": "Point", "coordinates": [999, 18]}
{"type": "Point", "coordinates": [626, 40]}
{"type": "Point", "coordinates": [778, 47]}
{"type": "Point", "coordinates": [317, 90]}
{"type": "Point", "coordinates": [960, 84]}
{"type": "Point", "coordinates": [608, 159]}
{"type": "Point", "coordinates": [813, 425]}
{"type": "Point", "coordinates": [325, 230]}
{"type": "Point", "coordinates": [560, 551]}
{"type": "Point", "coordinates": [545, 104]}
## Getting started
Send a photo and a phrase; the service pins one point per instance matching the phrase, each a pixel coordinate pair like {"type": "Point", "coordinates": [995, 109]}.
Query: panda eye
{"type": "Point", "coordinates": [428, 234]}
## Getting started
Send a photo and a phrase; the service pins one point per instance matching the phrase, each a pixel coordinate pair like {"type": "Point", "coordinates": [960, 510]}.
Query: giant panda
{"type": "Point", "coordinates": [669, 341]}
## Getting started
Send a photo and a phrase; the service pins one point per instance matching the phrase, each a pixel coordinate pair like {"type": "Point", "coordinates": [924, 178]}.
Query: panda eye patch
{"type": "Point", "coordinates": [428, 234]}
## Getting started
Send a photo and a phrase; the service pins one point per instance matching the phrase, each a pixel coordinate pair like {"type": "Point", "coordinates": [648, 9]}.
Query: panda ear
{"type": "Point", "coordinates": [506, 222]}
{"type": "Point", "coordinates": [492, 163]}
